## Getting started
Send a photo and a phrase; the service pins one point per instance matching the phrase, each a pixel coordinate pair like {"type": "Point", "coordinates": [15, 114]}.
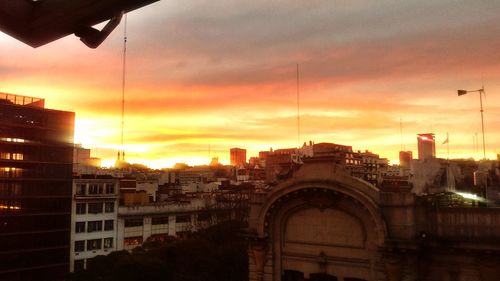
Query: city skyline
{"type": "Point", "coordinates": [226, 78]}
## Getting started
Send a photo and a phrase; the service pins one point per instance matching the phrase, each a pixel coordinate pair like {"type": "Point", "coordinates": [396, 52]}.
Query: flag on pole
{"type": "Point", "coordinates": [447, 140]}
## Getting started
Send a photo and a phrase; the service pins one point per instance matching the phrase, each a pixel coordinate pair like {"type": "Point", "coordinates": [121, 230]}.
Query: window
{"type": "Point", "coordinates": [109, 224]}
{"type": "Point", "coordinates": [95, 188]}
{"type": "Point", "coordinates": [80, 246]}
{"type": "Point", "coordinates": [183, 218]}
{"type": "Point", "coordinates": [110, 188]}
{"type": "Point", "coordinates": [94, 244]}
{"type": "Point", "coordinates": [5, 155]}
{"type": "Point", "coordinates": [8, 172]}
{"type": "Point", "coordinates": [108, 243]}
{"type": "Point", "coordinates": [95, 208]}
{"type": "Point", "coordinates": [94, 226]}
{"type": "Point", "coordinates": [80, 227]}
{"type": "Point", "coordinates": [109, 207]}
{"type": "Point", "coordinates": [132, 241]}
{"type": "Point", "coordinates": [81, 208]}
{"type": "Point", "coordinates": [159, 220]}
{"type": "Point", "coordinates": [17, 156]}
{"type": "Point", "coordinates": [133, 222]}
{"type": "Point", "coordinates": [80, 189]}
{"type": "Point", "coordinates": [79, 265]}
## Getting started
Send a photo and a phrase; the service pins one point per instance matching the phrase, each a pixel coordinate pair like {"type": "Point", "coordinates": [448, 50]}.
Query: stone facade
{"type": "Point", "coordinates": [323, 224]}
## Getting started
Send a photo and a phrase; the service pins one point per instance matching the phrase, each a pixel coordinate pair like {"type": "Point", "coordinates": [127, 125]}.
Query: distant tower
{"type": "Point", "coordinates": [426, 146]}
{"type": "Point", "coordinates": [405, 158]}
{"type": "Point", "coordinates": [238, 156]}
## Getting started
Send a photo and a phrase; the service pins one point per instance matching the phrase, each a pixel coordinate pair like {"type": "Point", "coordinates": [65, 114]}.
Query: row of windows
{"type": "Point", "coordinates": [33, 206]}
{"type": "Point", "coordinates": [11, 156]}
{"type": "Point", "coordinates": [95, 208]}
{"type": "Point", "coordinates": [93, 226]}
{"type": "Point", "coordinates": [10, 189]}
{"type": "Point", "coordinates": [33, 189]}
{"type": "Point", "coordinates": [93, 244]}
{"type": "Point", "coordinates": [10, 172]}
{"type": "Point", "coordinates": [164, 220]}
{"type": "Point", "coordinates": [351, 161]}
{"type": "Point", "coordinates": [95, 188]}
{"type": "Point", "coordinates": [132, 241]}
{"type": "Point", "coordinates": [159, 220]}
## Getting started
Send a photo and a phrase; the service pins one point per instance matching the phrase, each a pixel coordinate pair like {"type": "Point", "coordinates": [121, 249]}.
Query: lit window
{"type": "Point", "coordinates": [17, 156]}
{"type": "Point", "coordinates": [10, 172]}
{"type": "Point", "coordinates": [5, 155]}
{"type": "Point", "coordinates": [10, 206]}
{"type": "Point", "coordinates": [132, 241]}
{"type": "Point", "coordinates": [12, 140]}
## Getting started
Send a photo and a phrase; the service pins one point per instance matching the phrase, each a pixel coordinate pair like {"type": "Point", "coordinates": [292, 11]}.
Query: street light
{"type": "Point", "coordinates": [481, 93]}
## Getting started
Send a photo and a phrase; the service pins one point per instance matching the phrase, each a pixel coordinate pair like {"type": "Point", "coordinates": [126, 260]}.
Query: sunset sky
{"type": "Point", "coordinates": [222, 74]}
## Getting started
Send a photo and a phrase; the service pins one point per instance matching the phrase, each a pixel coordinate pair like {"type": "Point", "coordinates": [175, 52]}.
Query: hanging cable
{"type": "Point", "coordinates": [123, 82]}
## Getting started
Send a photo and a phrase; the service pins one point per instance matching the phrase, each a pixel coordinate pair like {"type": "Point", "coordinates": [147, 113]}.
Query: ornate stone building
{"type": "Point", "coordinates": [322, 224]}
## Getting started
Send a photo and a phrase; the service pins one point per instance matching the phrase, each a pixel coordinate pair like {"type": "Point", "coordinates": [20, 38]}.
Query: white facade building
{"type": "Point", "coordinates": [93, 219]}
{"type": "Point", "coordinates": [157, 221]}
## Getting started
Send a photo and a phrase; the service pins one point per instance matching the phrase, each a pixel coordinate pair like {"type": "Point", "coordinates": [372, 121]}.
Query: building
{"type": "Point", "coordinates": [158, 221]}
{"type": "Point", "coordinates": [238, 156]}
{"type": "Point", "coordinates": [93, 219]}
{"type": "Point", "coordinates": [324, 224]}
{"type": "Point", "coordinates": [426, 146]}
{"type": "Point", "coordinates": [83, 163]}
{"type": "Point", "coordinates": [405, 158]}
{"type": "Point", "coordinates": [36, 157]}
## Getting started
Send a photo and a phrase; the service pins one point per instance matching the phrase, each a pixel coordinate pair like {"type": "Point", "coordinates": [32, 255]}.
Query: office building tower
{"type": "Point", "coordinates": [36, 156]}
{"type": "Point", "coordinates": [426, 146]}
{"type": "Point", "coordinates": [238, 156]}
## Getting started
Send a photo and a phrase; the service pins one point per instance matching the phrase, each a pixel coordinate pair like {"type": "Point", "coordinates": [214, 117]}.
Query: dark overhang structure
{"type": "Point", "coordinates": [38, 22]}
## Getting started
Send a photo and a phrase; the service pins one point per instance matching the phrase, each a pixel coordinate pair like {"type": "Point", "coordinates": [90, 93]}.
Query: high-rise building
{"type": "Point", "coordinates": [405, 158]}
{"type": "Point", "coordinates": [238, 156]}
{"type": "Point", "coordinates": [36, 156]}
{"type": "Point", "coordinates": [426, 146]}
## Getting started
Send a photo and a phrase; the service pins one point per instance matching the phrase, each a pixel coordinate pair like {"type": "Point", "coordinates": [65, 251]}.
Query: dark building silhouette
{"type": "Point", "coordinates": [36, 156]}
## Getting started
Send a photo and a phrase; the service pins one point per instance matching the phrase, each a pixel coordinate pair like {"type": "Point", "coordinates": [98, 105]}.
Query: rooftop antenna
{"type": "Point", "coordinates": [123, 82]}
{"type": "Point", "coordinates": [298, 109]}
